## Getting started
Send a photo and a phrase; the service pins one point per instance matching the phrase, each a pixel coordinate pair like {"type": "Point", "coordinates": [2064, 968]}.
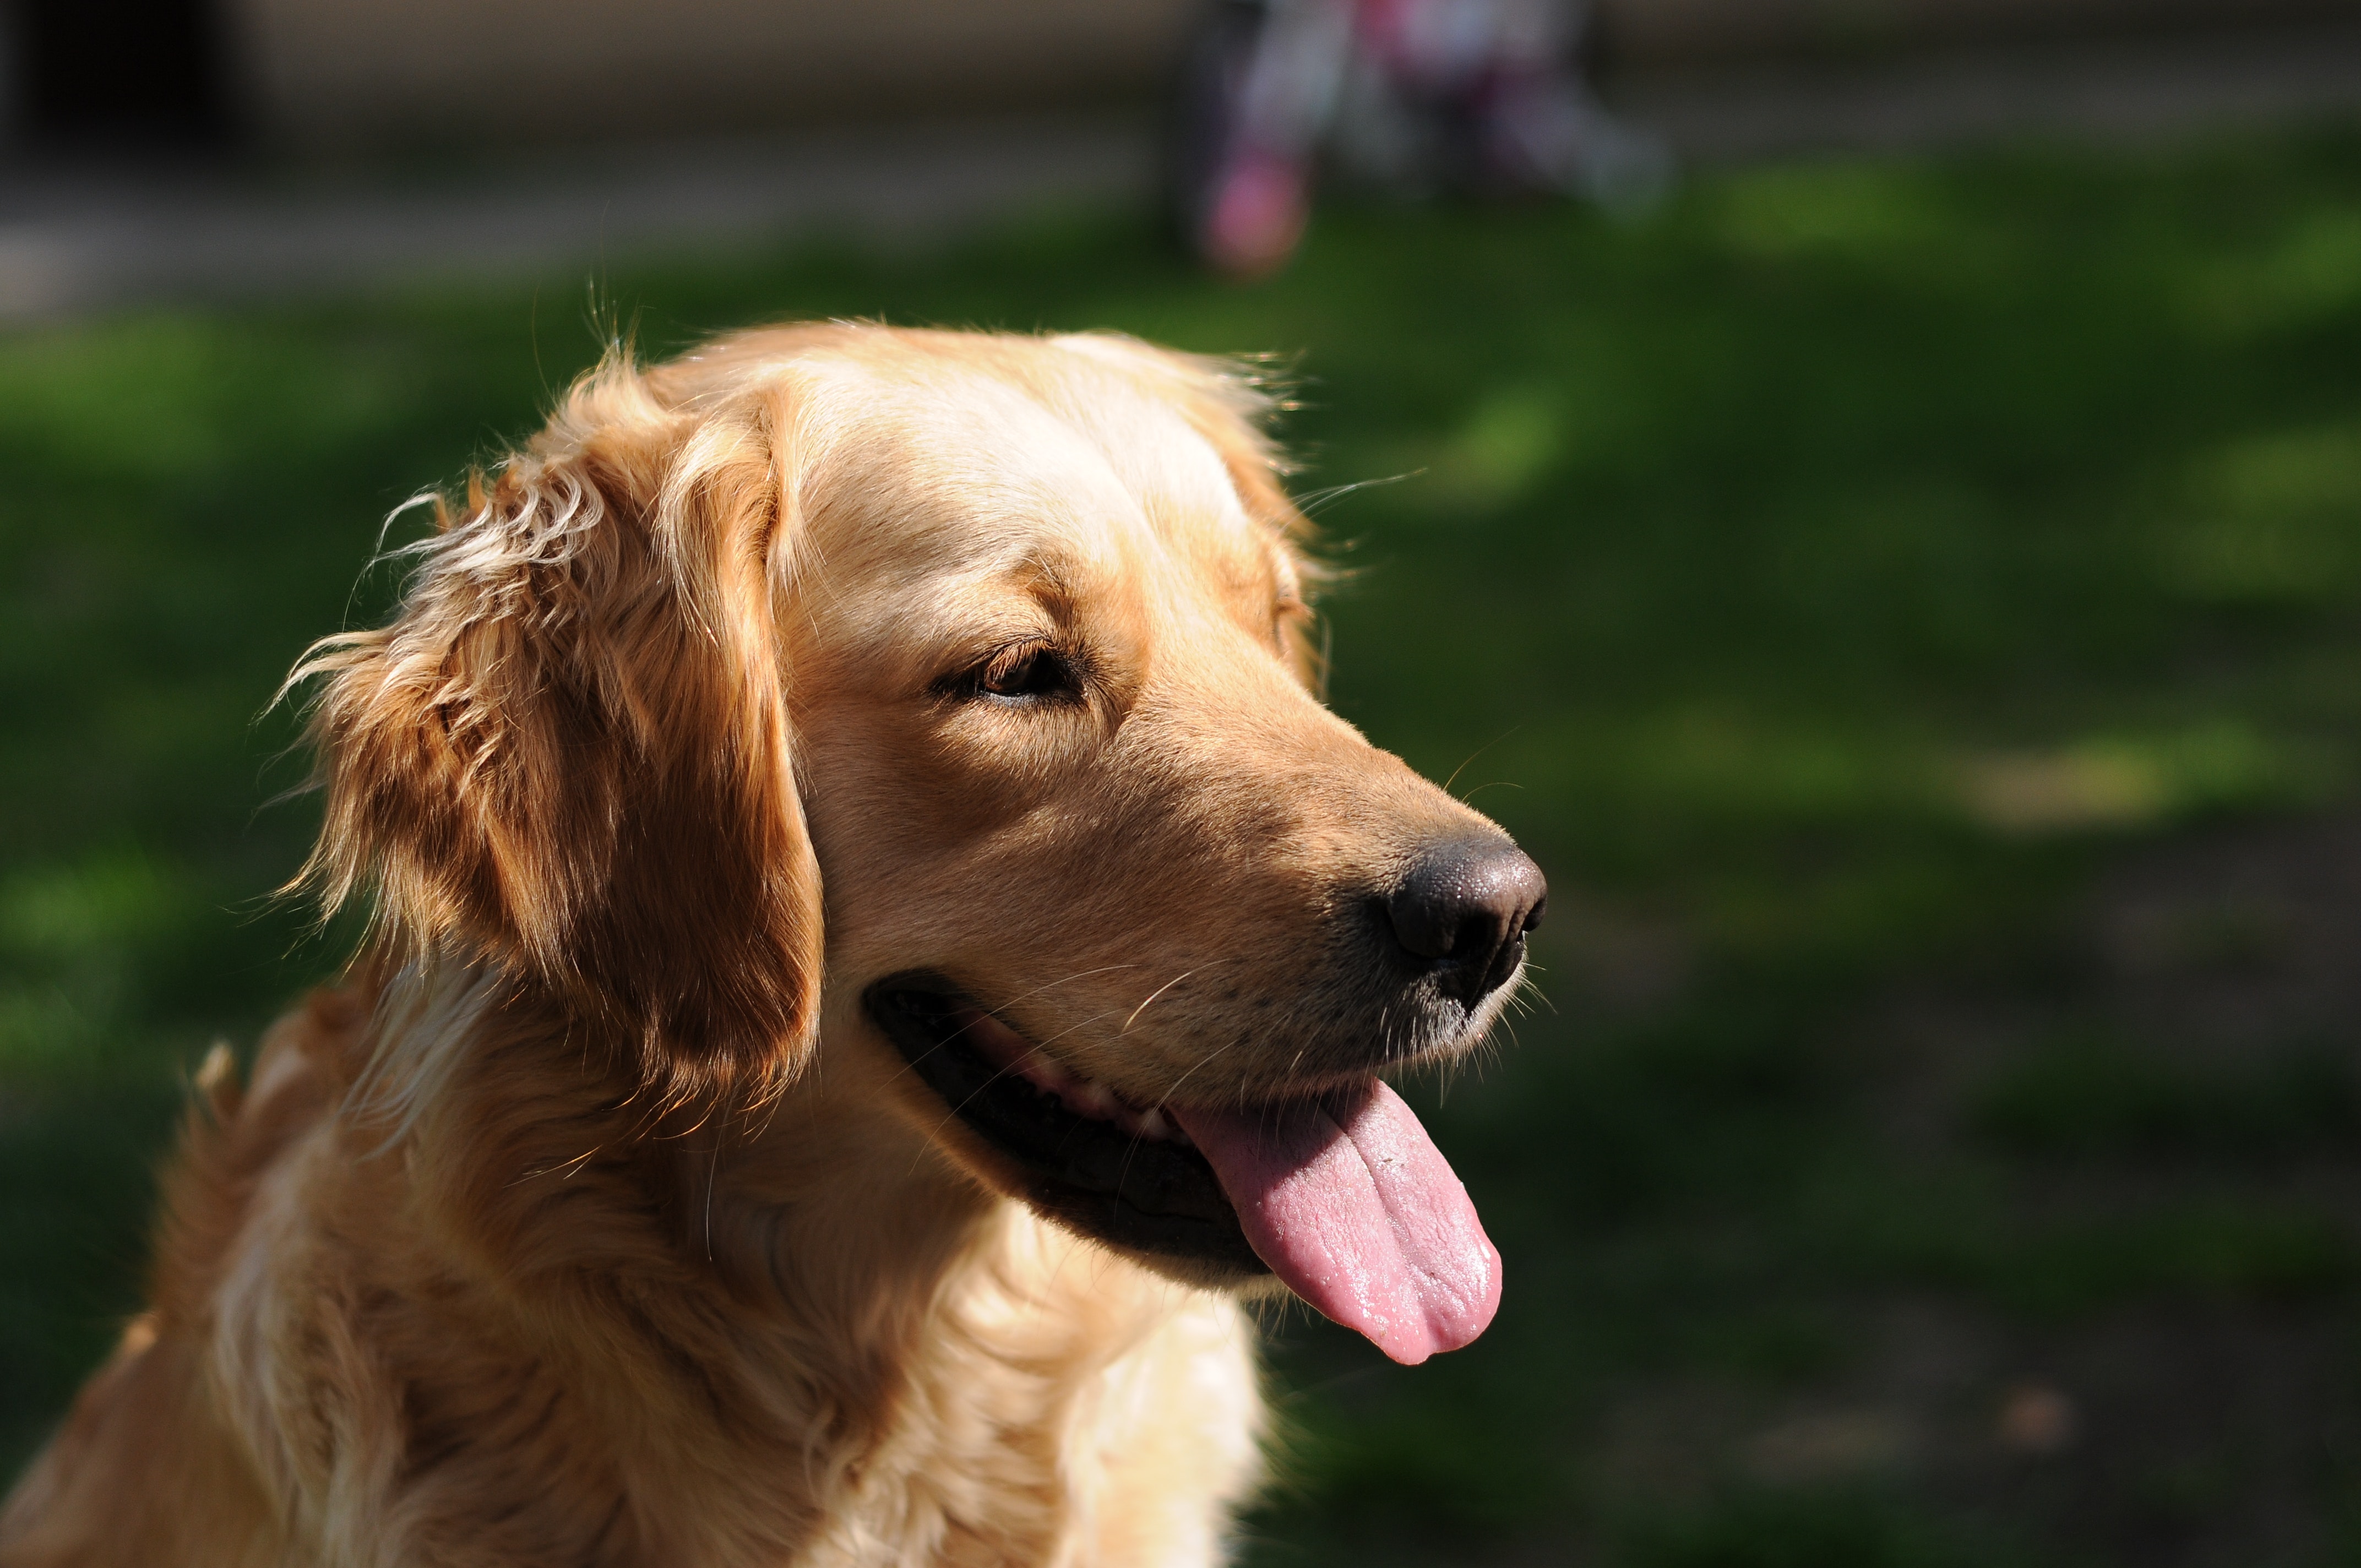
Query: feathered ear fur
{"type": "Point", "coordinates": [568, 754]}
{"type": "Point", "coordinates": [1224, 401]}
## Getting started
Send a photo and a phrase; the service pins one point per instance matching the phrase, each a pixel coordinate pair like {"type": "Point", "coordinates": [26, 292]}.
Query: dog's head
{"type": "Point", "coordinates": [1001, 641]}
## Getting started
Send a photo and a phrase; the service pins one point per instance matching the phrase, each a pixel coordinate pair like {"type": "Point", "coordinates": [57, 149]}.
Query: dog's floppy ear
{"type": "Point", "coordinates": [568, 754]}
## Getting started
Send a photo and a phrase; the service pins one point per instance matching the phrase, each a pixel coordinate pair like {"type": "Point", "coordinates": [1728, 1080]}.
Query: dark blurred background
{"type": "Point", "coordinates": [1904, 583]}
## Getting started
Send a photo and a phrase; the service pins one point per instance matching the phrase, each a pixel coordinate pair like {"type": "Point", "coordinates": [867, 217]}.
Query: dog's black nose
{"type": "Point", "coordinates": [1463, 910]}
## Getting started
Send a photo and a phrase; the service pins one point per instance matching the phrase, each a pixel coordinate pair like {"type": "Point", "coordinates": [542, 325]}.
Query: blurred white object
{"type": "Point", "coordinates": [1413, 96]}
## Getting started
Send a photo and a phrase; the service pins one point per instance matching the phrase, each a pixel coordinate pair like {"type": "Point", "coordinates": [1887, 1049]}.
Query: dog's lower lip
{"type": "Point", "coordinates": [1144, 1194]}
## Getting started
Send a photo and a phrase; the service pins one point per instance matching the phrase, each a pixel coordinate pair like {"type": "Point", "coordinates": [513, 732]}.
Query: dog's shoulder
{"type": "Point", "coordinates": [127, 1480]}
{"type": "Point", "coordinates": [234, 1132]}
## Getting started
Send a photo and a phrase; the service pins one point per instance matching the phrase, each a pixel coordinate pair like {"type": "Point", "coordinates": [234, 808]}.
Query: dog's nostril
{"type": "Point", "coordinates": [1463, 910]}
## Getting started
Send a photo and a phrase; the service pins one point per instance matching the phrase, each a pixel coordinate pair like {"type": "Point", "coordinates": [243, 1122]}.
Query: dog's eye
{"type": "Point", "coordinates": [1031, 672]}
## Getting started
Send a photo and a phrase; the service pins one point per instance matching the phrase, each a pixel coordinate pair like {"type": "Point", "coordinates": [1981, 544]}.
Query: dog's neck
{"type": "Point", "coordinates": [810, 1286]}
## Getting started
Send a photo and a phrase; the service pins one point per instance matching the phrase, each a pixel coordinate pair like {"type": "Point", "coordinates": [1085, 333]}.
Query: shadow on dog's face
{"type": "Point", "coordinates": [989, 650]}
{"type": "Point", "coordinates": [1103, 873]}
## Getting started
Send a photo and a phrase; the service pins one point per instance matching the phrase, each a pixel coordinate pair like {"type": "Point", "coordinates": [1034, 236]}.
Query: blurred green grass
{"type": "Point", "coordinates": [1827, 576]}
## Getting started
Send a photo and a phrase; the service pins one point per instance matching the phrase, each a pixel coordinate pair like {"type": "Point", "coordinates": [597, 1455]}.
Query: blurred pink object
{"type": "Point", "coordinates": [1258, 211]}
{"type": "Point", "coordinates": [1411, 96]}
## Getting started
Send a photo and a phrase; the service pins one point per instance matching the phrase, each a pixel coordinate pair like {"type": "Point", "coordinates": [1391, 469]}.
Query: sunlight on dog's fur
{"type": "Point", "coordinates": [874, 947]}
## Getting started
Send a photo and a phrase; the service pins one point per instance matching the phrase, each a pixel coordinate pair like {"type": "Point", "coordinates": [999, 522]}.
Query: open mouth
{"type": "Point", "coordinates": [1103, 1174]}
{"type": "Point", "coordinates": [1342, 1195]}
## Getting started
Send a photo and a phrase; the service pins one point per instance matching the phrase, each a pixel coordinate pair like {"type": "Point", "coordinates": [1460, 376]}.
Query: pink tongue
{"type": "Point", "coordinates": [1350, 1202]}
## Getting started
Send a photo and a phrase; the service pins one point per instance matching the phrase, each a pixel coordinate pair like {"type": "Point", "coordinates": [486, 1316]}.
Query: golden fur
{"type": "Point", "coordinates": [590, 1221]}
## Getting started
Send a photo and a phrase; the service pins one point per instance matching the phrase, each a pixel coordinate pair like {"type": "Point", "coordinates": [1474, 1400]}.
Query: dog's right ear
{"type": "Point", "coordinates": [1227, 403]}
{"type": "Point", "coordinates": [568, 755]}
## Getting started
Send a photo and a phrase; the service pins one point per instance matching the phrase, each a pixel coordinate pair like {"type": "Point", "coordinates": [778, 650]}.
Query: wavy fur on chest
{"type": "Point", "coordinates": [514, 1324]}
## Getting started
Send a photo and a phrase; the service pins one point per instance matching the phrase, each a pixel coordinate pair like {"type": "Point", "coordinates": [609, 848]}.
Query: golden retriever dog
{"type": "Point", "coordinates": [876, 950]}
